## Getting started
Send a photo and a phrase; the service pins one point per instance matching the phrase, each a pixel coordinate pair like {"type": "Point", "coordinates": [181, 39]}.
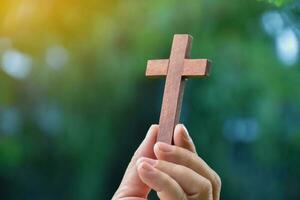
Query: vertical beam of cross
{"type": "Point", "coordinates": [177, 69]}
{"type": "Point", "coordinates": [174, 87]}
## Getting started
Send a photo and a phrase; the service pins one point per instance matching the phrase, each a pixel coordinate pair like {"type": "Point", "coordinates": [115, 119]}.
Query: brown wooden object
{"type": "Point", "coordinates": [177, 68]}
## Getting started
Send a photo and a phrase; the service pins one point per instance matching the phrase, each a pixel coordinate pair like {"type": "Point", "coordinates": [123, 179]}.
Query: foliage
{"type": "Point", "coordinates": [279, 2]}
{"type": "Point", "coordinates": [69, 127]}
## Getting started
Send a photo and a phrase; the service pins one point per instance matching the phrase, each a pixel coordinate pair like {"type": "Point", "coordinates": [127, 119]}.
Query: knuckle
{"type": "Point", "coordinates": [216, 180]}
{"type": "Point", "coordinates": [206, 186]}
{"type": "Point", "coordinates": [191, 161]}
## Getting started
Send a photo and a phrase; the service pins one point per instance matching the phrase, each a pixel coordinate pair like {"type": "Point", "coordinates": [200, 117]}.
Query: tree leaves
{"type": "Point", "coordinates": [279, 2]}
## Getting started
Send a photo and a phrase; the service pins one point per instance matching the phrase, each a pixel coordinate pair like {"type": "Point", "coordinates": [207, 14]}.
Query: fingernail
{"type": "Point", "coordinates": [186, 133]}
{"type": "Point", "coordinates": [150, 161]}
{"type": "Point", "coordinates": [164, 147]}
{"type": "Point", "coordinates": [148, 169]}
{"type": "Point", "coordinates": [147, 160]}
{"type": "Point", "coordinates": [150, 130]}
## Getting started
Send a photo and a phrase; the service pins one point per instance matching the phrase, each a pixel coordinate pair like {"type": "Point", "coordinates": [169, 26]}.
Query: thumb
{"type": "Point", "coordinates": [146, 147]}
{"type": "Point", "coordinates": [131, 185]}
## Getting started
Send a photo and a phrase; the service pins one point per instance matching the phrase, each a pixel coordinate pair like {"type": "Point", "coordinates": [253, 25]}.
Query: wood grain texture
{"type": "Point", "coordinates": [176, 69]}
{"type": "Point", "coordinates": [191, 67]}
{"type": "Point", "coordinates": [172, 98]}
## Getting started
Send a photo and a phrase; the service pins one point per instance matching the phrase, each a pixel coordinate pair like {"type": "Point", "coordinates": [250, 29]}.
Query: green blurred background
{"type": "Point", "coordinates": [75, 103]}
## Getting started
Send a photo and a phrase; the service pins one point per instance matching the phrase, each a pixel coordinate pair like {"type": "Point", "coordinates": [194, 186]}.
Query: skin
{"type": "Point", "coordinates": [175, 172]}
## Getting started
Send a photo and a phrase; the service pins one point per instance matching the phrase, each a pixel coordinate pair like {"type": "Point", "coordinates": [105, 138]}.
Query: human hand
{"type": "Point", "coordinates": [173, 171]}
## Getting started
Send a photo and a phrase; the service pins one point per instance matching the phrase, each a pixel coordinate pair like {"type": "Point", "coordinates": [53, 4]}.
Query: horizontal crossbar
{"type": "Point", "coordinates": [191, 67]}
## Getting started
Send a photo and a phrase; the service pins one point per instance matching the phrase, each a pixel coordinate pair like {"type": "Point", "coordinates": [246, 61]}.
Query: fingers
{"type": "Point", "coordinates": [182, 138]}
{"type": "Point", "coordinates": [192, 183]}
{"type": "Point", "coordinates": [186, 158]}
{"type": "Point", "coordinates": [131, 184]}
{"type": "Point", "coordinates": [179, 173]}
{"type": "Point", "coordinates": [166, 187]}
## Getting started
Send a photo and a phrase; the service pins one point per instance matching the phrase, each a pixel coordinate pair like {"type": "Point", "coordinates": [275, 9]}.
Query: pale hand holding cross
{"type": "Point", "coordinates": [175, 172]}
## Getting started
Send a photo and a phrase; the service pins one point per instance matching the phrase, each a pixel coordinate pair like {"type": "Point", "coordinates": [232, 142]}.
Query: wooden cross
{"type": "Point", "coordinates": [177, 69]}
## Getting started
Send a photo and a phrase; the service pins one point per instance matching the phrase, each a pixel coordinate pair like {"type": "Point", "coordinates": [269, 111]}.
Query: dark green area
{"type": "Point", "coordinates": [75, 128]}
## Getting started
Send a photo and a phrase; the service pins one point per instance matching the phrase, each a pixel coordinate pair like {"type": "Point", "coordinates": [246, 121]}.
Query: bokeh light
{"type": "Point", "coordinates": [75, 102]}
